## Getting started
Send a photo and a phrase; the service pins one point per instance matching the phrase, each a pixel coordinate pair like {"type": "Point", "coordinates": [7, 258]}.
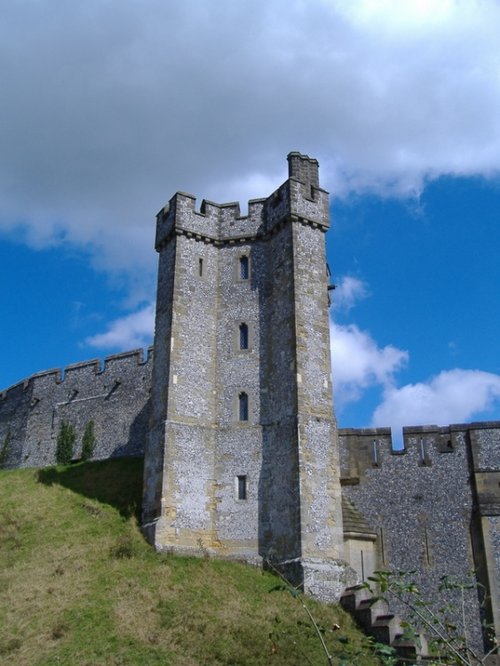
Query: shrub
{"type": "Point", "coordinates": [65, 443]}
{"type": "Point", "coordinates": [88, 441]}
{"type": "Point", "coordinates": [5, 450]}
{"type": "Point", "coordinates": [444, 622]}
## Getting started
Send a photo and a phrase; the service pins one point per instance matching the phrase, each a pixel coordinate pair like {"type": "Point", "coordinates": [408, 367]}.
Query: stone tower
{"type": "Point", "coordinates": [242, 458]}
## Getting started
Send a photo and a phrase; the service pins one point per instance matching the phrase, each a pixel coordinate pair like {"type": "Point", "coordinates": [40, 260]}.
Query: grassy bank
{"type": "Point", "coordinates": [79, 586]}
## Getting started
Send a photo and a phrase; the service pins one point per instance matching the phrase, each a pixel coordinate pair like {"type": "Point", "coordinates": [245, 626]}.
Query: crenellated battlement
{"type": "Point", "coordinates": [81, 370]}
{"type": "Point", "coordinates": [299, 199]}
{"type": "Point", "coordinates": [423, 446]}
{"type": "Point", "coordinates": [114, 394]}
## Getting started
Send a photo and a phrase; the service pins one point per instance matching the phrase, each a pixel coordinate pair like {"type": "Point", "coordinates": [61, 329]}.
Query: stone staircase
{"type": "Point", "coordinates": [376, 620]}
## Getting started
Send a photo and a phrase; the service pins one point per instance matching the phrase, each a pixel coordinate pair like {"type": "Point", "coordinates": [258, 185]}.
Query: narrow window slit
{"type": "Point", "coordinates": [243, 406]}
{"type": "Point", "coordinates": [243, 336]}
{"type": "Point", "coordinates": [244, 267]}
{"type": "Point", "coordinates": [200, 267]}
{"type": "Point", "coordinates": [382, 545]}
{"type": "Point", "coordinates": [427, 547]}
{"type": "Point", "coordinates": [242, 486]}
{"type": "Point", "coordinates": [423, 459]}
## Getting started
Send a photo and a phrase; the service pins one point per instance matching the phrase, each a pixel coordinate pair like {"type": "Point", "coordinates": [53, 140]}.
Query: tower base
{"type": "Point", "coordinates": [323, 579]}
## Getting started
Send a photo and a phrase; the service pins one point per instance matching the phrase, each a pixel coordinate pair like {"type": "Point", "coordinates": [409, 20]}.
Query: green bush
{"type": "Point", "coordinates": [5, 450]}
{"type": "Point", "coordinates": [65, 443]}
{"type": "Point", "coordinates": [88, 441]}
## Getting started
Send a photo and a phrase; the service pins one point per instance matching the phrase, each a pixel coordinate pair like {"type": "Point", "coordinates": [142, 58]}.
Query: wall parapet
{"type": "Point", "coordinates": [366, 448]}
{"type": "Point", "coordinates": [97, 366]}
{"type": "Point", "coordinates": [295, 200]}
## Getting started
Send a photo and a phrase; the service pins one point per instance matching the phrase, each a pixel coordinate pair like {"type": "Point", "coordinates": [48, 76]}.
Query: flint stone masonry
{"type": "Point", "coordinates": [115, 397]}
{"type": "Point", "coordinates": [287, 448]}
{"type": "Point", "coordinates": [434, 507]}
{"type": "Point", "coordinates": [431, 508]}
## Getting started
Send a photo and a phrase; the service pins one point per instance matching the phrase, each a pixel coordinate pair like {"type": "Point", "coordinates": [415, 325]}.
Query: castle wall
{"type": "Point", "coordinates": [114, 397]}
{"type": "Point", "coordinates": [423, 505]}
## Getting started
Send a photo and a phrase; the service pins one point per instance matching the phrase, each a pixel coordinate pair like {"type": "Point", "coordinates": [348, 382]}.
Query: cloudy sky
{"type": "Point", "coordinates": [110, 106]}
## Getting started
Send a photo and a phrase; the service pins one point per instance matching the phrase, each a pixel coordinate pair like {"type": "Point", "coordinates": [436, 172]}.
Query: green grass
{"type": "Point", "coordinates": [79, 586]}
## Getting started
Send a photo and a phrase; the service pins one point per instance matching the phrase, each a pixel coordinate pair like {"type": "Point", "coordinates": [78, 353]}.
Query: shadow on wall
{"type": "Point", "coordinates": [115, 482]}
{"type": "Point", "coordinates": [278, 496]}
{"type": "Point", "coordinates": [137, 435]}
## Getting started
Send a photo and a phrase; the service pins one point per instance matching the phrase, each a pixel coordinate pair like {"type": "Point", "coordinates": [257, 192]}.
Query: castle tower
{"type": "Point", "coordinates": [242, 457]}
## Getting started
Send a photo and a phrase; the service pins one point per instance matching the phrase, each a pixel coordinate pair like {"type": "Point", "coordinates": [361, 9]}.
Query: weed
{"type": "Point", "coordinates": [444, 622]}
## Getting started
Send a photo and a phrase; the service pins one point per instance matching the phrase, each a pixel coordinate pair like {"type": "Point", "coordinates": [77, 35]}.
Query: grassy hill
{"type": "Point", "coordinates": [79, 586]}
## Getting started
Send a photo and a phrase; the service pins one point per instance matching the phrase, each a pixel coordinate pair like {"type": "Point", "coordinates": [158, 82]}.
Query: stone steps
{"type": "Point", "coordinates": [375, 618]}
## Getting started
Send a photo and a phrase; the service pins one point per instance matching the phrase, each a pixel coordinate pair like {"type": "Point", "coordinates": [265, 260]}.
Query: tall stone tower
{"type": "Point", "coordinates": [242, 458]}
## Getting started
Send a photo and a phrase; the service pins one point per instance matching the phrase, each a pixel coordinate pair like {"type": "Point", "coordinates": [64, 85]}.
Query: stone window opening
{"type": "Point", "coordinates": [243, 406]}
{"type": "Point", "coordinates": [241, 486]}
{"type": "Point", "coordinates": [243, 330]}
{"type": "Point", "coordinates": [200, 267]}
{"type": "Point", "coordinates": [244, 268]}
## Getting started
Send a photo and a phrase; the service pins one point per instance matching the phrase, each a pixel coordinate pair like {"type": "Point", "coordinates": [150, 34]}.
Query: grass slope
{"type": "Point", "coordinates": [78, 585]}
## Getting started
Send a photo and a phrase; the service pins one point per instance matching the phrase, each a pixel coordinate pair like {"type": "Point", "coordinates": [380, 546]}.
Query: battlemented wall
{"type": "Point", "coordinates": [434, 506]}
{"type": "Point", "coordinates": [114, 396]}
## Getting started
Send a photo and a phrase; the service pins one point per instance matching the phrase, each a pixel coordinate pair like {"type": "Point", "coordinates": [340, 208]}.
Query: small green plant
{"type": "Point", "coordinates": [5, 449]}
{"type": "Point", "coordinates": [350, 652]}
{"type": "Point", "coordinates": [66, 438]}
{"type": "Point", "coordinates": [88, 441]}
{"type": "Point", "coordinates": [444, 623]}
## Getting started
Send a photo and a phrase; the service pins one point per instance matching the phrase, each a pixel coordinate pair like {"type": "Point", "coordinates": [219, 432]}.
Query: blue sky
{"type": "Point", "coordinates": [109, 108]}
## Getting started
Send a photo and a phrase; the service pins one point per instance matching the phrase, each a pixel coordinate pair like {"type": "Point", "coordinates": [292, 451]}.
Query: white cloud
{"type": "Point", "coordinates": [409, 15]}
{"type": "Point", "coordinates": [348, 292]}
{"type": "Point", "coordinates": [453, 396]}
{"type": "Point", "coordinates": [358, 362]}
{"type": "Point", "coordinates": [133, 330]}
{"type": "Point", "coordinates": [109, 108]}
